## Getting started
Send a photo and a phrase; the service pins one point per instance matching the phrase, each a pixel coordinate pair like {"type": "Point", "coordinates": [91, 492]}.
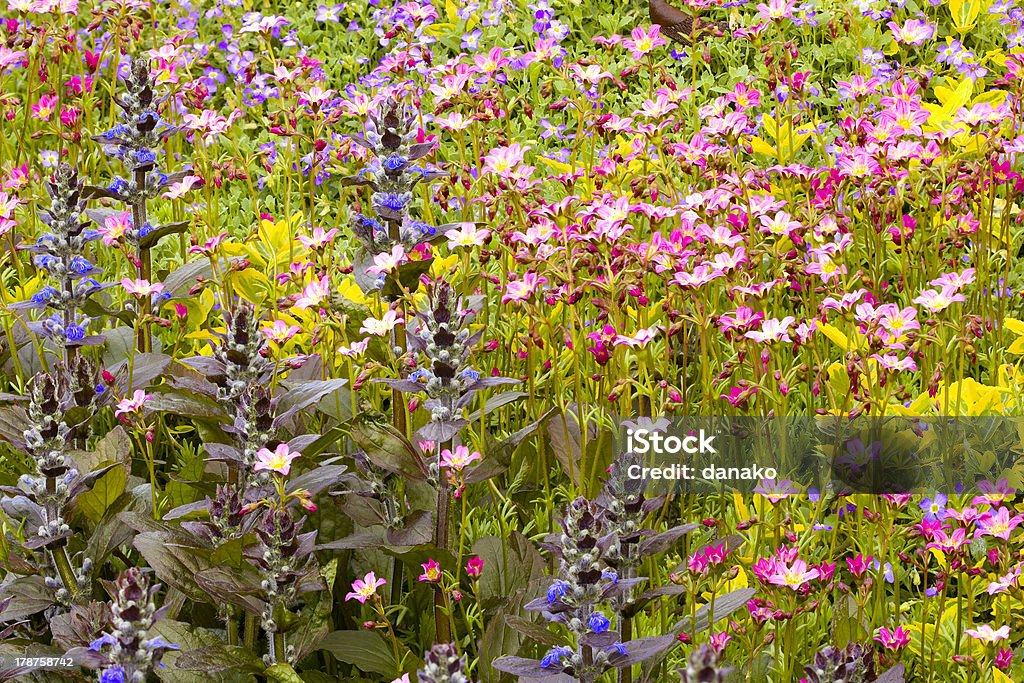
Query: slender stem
{"type": "Point", "coordinates": [139, 218]}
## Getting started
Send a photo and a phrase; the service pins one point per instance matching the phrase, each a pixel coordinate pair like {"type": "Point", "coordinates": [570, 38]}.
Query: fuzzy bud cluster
{"type": "Point", "coordinates": [442, 664]}
{"type": "Point", "coordinates": [852, 664]}
{"type": "Point", "coordinates": [128, 653]}
{"type": "Point", "coordinates": [60, 406]}
{"type": "Point", "coordinates": [705, 665]}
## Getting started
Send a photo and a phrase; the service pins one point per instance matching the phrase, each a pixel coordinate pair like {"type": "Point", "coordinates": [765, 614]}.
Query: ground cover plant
{"type": "Point", "coordinates": [320, 324]}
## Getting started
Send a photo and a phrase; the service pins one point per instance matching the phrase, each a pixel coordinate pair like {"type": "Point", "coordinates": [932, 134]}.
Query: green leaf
{"type": "Point", "coordinates": [105, 491]}
{"type": "Point", "coordinates": [364, 650]}
{"type": "Point", "coordinates": [189, 637]}
{"type": "Point", "coordinates": [386, 447]}
{"type": "Point", "coordinates": [282, 673]}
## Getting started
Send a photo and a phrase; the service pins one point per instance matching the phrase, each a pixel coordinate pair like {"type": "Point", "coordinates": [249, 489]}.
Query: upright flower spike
{"type": "Point", "coordinates": [128, 653]}
{"type": "Point", "coordinates": [135, 141]}
{"type": "Point", "coordinates": [61, 405]}
{"type": "Point", "coordinates": [442, 336]}
{"type": "Point", "coordinates": [392, 174]}
{"type": "Point", "coordinates": [60, 252]}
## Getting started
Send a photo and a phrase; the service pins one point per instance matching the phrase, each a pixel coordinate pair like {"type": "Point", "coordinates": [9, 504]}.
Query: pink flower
{"type": "Point", "coordinates": [772, 330]}
{"type": "Point", "coordinates": [776, 9]}
{"type": "Point", "coordinates": [523, 289]}
{"type": "Point", "coordinates": [141, 288]}
{"type": "Point", "coordinates": [502, 160]}
{"type": "Point", "coordinates": [279, 460]}
{"type": "Point", "coordinates": [115, 226]}
{"type": "Point", "coordinates": [365, 588]}
{"type": "Point", "coordinates": [643, 41]}
{"type": "Point", "coordinates": [355, 349]}
{"type": "Point", "coordinates": [893, 640]}
{"type": "Point", "coordinates": [182, 187]}
{"type": "Point", "coordinates": [459, 459]}
{"type": "Point", "coordinates": [319, 239]}
{"type": "Point", "coordinates": [210, 246]}
{"type": "Point", "coordinates": [718, 641]}
{"type": "Point", "coordinates": [1003, 658]}
{"type": "Point", "coordinates": [998, 525]}
{"type": "Point", "coordinates": [313, 293]}
{"type": "Point", "coordinates": [44, 107]}
{"type": "Point", "coordinates": [388, 261]}
{"type": "Point", "coordinates": [132, 405]}
{"type": "Point", "coordinates": [913, 32]}
{"type": "Point", "coordinates": [792, 576]}
{"type": "Point", "coordinates": [987, 634]}
{"type": "Point", "coordinates": [936, 301]}
{"type": "Point", "coordinates": [467, 235]}
{"type": "Point", "coordinates": [378, 328]}
{"type": "Point", "coordinates": [474, 566]}
{"type": "Point", "coordinates": [431, 571]}
{"type": "Point", "coordinates": [280, 331]}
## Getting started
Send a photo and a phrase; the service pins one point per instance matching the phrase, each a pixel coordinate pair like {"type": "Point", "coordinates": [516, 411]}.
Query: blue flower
{"type": "Point", "coordinates": [45, 261]}
{"type": "Point", "coordinates": [99, 388]}
{"type": "Point", "coordinates": [105, 639]}
{"type": "Point", "coordinates": [620, 648]}
{"type": "Point", "coordinates": [81, 265]}
{"type": "Point", "coordinates": [390, 200]}
{"type": "Point", "coordinates": [557, 590]}
{"type": "Point", "coordinates": [115, 675]}
{"type": "Point", "coordinates": [395, 162]}
{"type": "Point", "coordinates": [145, 230]}
{"type": "Point", "coordinates": [470, 374]}
{"type": "Point", "coordinates": [934, 508]}
{"type": "Point", "coordinates": [145, 156]}
{"type": "Point", "coordinates": [610, 575]}
{"type": "Point", "coordinates": [44, 295]}
{"type": "Point", "coordinates": [75, 333]}
{"type": "Point", "coordinates": [598, 622]}
{"type": "Point", "coordinates": [118, 185]}
{"type": "Point", "coordinates": [554, 656]}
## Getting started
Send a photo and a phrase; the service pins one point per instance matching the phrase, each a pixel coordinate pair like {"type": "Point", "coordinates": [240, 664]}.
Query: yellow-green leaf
{"type": "Point", "coordinates": [964, 13]}
{"type": "Point", "coordinates": [559, 166]}
{"type": "Point", "coordinates": [762, 147]}
{"type": "Point", "coordinates": [105, 491]}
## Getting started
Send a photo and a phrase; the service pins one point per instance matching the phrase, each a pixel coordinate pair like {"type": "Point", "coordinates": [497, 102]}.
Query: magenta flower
{"type": "Point", "coordinates": [44, 107]}
{"type": "Point", "coordinates": [474, 566]}
{"type": "Point", "coordinates": [998, 525]}
{"type": "Point", "coordinates": [858, 565]}
{"type": "Point", "coordinates": [365, 588]}
{"type": "Point", "coordinates": [894, 640]}
{"type": "Point", "coordinates": [431, 571]}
